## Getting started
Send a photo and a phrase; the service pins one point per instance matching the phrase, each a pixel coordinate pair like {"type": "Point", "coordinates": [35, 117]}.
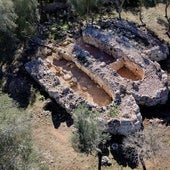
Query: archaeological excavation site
{"type": "Point", "coordinates": [103, 68]}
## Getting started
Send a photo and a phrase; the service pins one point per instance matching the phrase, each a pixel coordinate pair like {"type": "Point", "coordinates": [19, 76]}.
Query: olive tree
{"type": "Point", "coordinates": [28, 17]}
{"type": "Point", "coordinates": [8, 25]}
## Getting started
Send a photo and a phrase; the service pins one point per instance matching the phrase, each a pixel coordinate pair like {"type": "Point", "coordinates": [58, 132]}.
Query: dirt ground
{"type": "Point", "coordinates": [154, 20]}
{"type": "Point", "coordinates": [125, 72]}
{"type": "Point", "coordinates": [54, 145]}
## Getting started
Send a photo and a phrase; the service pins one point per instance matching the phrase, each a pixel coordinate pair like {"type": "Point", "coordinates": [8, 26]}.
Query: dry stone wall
{"type": "Point", "coordinates": [131, 36]}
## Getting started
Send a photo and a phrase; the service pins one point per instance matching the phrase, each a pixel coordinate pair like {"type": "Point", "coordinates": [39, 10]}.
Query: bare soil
{"type": "Point", "coordinates": [54, 145]}
{"type": "Point", "coordinates": [154, 18]}
{"type": "Point", "coordinates": [126, 73]}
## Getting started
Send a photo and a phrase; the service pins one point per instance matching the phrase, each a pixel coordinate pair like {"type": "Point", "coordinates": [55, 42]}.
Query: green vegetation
{"type": "Point", "coordinates": [16, 147]}
{"type": "Point", "coordinates": [113, 112]}
{"type": "Point", "coordinates": [18, 22]}
{"type": "Point", "coordinates": [85, 7]}
{"type": "Point", "coordinates": [27, 19]}
{"type": "Point", "coordinates": [89, 133]}
{"type": "Point", "coordinates": [7, 16]}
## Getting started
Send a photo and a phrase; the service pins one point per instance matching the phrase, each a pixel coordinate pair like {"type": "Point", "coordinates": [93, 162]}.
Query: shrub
{"type": "Point", "coordinates": [16, 146]}
{"type": "Point", "coordinates": [88, 132]}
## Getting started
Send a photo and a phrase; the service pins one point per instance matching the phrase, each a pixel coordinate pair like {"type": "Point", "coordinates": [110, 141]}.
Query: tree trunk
{"type": "Point", "coordinates": [119, 4]}
{"type": "Point", "coordinates": [120, 17]}
{"type": "Point", "coordinates": [142, 162]}
{"type": "Point", "coordinates": [140, 13]}
{"type": "Point", "coordinates": [99, 160]}
{"type": "Point", "coordinates": [166, 16]}
{"type": "Point", "coordinates": [166, 8]}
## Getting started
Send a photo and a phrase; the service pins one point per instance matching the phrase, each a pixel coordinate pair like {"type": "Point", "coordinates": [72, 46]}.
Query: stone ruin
{"type": "Point", "coordinates": [102, 70]}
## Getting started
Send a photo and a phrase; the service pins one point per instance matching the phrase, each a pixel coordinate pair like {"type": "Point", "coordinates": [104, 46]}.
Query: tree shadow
{"type": "Point", "coordinates": [18, 84]}
{"type": "Point", "coordinates": [163, 23]}
{"type": "Point", "coordinates": [126, 156]}
{"type": "Point", "coordinates": [160, 111]}
{"type": "Point", "coordinates": [58, 114]}
{"type": "Point", "coordinates": [123, 156]}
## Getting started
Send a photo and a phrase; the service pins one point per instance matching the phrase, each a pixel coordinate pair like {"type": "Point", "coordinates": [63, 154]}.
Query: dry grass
{"type": "Point", "coordinates": [55, 144]}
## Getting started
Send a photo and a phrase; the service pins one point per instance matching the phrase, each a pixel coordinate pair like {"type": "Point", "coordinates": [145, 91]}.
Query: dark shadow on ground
{"type": "Point", "coordinates": [126, 157]}
{"type": "Point", "coordinates": [161, 112]}
{"type": "Point", "coordinates": [18, 84]}
{"type": "Point", "coordinates": [165, 64]}
{"type": "Point", "coordinates": [123, 156]}
{"type": "Point", "coordinates": [58, 114]}
{"type": "Point", "coordinates": [163, 23]}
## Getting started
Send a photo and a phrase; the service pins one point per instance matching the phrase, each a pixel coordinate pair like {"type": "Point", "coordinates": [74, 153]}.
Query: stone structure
{"type": "Point", "coordinates": [125, 77]}
{"type": "Point", "coordinates": [152, 85]}
{"type": "Point", "coordinates": [68, 99]}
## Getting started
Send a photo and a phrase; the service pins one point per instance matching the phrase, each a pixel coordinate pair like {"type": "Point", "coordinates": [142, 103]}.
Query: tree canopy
{"type": "Point", "coordinates": [8, 16]}
{"type": "Point", "coordinates": [18, 17]}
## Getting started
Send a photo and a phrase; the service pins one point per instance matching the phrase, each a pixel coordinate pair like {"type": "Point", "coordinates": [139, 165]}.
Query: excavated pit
{"type": "Point", "coordinates": [124, 67]}
{"type": "Point", "coordinates": [70, 75]}
{"type": "Point", "coordinates": [128, 70]}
